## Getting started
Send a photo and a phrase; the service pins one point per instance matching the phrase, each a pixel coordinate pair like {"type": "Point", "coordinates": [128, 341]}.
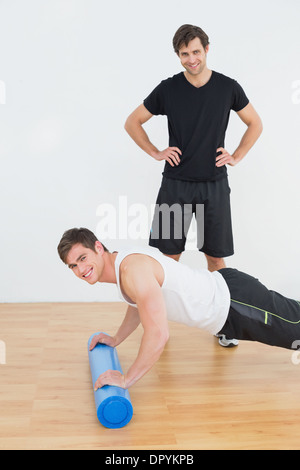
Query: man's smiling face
{"type": "Point", "coordinates": [193, 57]}
{"type": "Point", "coordinates": [86, 263]}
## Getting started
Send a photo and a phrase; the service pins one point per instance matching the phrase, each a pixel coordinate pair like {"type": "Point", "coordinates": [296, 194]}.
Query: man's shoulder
{"type": "Point", "coordinates": [131, 257]}
{"type": "Point", "coordinates": [223, 78]}
{"type": "Point", "coordinates": [177, 78]}
{"type": "Point", "coordinates": [137, 262]}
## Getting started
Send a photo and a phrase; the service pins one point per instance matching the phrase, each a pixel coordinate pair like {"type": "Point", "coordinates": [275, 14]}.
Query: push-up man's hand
{"type": "Point", "coordinates": [102, 338]}
{"type": "Point", "coordinates": [110, 377]}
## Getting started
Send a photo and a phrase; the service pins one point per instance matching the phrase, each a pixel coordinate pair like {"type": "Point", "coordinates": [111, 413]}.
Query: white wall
{"type": "Point", "coordinates": [72, 70]}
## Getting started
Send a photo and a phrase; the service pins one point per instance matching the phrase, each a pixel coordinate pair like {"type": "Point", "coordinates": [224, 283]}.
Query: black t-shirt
{"type": "Point", "coordinates": [197, 122]}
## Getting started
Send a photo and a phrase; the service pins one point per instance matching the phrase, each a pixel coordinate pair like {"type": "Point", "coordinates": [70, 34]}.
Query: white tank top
{"type": "Point", "coordinates": [195, 297]}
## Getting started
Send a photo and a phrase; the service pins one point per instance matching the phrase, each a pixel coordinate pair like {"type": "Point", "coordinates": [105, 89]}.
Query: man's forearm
{"type": "Point", "coordinates": [254, 129]}
{"type": "Point", "coordinates": [248, 140]}
{"type": "Point", "coordinates": [152, 345]}
{"type": "Point", "coordinates": [140, 137]}
{"type": "Point", "coordinates": [129, 324]}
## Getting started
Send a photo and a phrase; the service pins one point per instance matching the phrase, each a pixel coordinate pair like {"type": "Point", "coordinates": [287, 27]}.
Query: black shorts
{"type": "Point", "coordinates": [176, 204]}
{"type": "Point", "coordinates": [259, 314]}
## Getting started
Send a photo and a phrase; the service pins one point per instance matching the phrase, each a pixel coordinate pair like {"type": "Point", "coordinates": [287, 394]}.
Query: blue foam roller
{"type": "Point", "coordinates": [113, 404]}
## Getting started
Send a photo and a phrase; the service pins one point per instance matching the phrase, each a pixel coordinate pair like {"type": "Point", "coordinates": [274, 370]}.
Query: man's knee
{"type": "Point", "coordinates": [214, 264]}
{"type": "Point", "coordinates": [175, 257]}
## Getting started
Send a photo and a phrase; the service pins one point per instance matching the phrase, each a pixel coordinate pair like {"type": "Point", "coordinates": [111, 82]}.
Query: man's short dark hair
{"type": "Point", "coordinates": [73, 236]}
{"type": "Point", "coordinates": [186, 33]}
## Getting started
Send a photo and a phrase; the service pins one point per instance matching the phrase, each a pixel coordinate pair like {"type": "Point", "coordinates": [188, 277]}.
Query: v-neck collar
{"type": "Point", "coordinates": [200, 87]}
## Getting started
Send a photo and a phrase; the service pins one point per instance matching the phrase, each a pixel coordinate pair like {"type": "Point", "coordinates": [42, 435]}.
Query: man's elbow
{"type": "Point", "coordinates": [132, 125]}
{"type": "Point", "coordinates": [256, 123]}
{"type": "Point", "coordinates": [127, 125]}
{"type": "Point", "coordinates": [260, 126]}
{"type": "Point", "coordinates": [158, 338]}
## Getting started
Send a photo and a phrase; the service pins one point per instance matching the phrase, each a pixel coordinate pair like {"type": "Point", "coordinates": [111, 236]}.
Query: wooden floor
{"type": "Point", "coordinates": [198, 396]}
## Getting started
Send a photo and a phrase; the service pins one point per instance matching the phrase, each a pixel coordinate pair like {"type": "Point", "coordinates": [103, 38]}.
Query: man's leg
{"type": "Point", "coordinates": [215, 224]}
{"type": "Point", "coordinates": [215, 264]}
{"type": "Point", "coordinates": [260, 314]}
{"type": "Point", "coordinates": [175, 257]}
{"type": "Point", "coordinates": [172, 218]}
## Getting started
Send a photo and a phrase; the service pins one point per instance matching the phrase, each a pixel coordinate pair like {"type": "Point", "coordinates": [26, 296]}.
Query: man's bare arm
{"type": "Point", "coordinates": [141, 285]}
{"type": "Point", "coordinates": [134, 127]}
{"type": "Point", "coordinates": [254, 129]}
{"type": "Point", "coordinates": [130, 323]}
{"type": "Point", "coordinates": [156, 331]}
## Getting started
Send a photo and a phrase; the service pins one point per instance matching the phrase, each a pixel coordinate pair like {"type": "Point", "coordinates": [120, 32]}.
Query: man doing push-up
{"type": "Point", "coordinates": [158, 289]}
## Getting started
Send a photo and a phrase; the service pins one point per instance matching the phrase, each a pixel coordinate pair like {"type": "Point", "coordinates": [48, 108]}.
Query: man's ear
{"type": "Point", "coordinates": [99, 248]}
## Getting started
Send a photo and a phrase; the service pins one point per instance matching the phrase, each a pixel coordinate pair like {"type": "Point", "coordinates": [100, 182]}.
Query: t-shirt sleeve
{"type": "Point", "coordinates": [239, 98]}
{"type": "Point", "coordinates": [155, 102]}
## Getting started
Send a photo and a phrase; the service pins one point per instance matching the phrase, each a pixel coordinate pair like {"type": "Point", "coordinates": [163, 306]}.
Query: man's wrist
{"type": "Point", "coordinates": [154, 153]}
{"type": "Point", "coordinates": [237, 156]}
{"type": "Point", "coordinates": [116, 341]}
{"type": "Point", "coordinates": [125, 381]}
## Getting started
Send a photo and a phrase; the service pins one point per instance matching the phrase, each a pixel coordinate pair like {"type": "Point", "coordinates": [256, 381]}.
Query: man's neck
{"type": "Point", "coordinates": [109, 274]}
{"type": "Point", "coordinates": [199, 80]}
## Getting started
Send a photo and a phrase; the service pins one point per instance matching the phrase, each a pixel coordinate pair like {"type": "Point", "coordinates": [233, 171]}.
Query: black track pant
{"type": "Point", "coordinates": [259, 314]}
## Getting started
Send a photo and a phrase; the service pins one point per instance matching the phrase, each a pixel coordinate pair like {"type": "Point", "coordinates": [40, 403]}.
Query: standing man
{"type": "Point", "coordinates": [197, 103]}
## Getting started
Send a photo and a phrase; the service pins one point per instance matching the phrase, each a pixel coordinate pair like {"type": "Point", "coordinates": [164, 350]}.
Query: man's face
{"type": "Point", "coordinates": [193, 57]}
{"type": "Point", "coordinates": [86, 263]}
